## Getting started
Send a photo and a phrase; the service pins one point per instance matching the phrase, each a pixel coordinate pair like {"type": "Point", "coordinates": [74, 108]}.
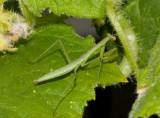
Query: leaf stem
{"type": "Point", "coordinates": [126, 35]}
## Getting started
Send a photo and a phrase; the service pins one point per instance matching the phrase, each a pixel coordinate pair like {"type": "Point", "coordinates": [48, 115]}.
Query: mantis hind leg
{"type": "Point", "coordinates": [62, 96]}
{"type": "Point", "coordinates": [58, 41]}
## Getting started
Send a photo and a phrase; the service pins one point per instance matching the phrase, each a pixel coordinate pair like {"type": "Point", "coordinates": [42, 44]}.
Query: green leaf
{"type": "Point", "coordinates": [145, 19]}
{"type": "Point", "coordinates": [76, 8]}
{"type": "Point", "coordinates": [21, 98]}
{"type": "Point", "coordinates": [148, 102]}
{"type": "Point", "coordinates": [45, 19]}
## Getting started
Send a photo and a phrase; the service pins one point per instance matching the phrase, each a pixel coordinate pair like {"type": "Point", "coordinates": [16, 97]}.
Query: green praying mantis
{"type": "Point", "coordinates": [80, 62]}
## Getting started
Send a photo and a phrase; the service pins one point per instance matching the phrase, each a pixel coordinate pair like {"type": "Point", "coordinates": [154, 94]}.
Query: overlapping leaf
{"type": "Point", "coordinates": [148, 102]}
{"type": "Point", "coordinates": [145, 19]}
{"type": "Point", "coordinates": [21, 98]}
{"type": "Point", "coordinates": [76, 8]}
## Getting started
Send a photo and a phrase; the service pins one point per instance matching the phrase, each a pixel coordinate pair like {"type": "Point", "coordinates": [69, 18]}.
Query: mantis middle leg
{"type": "Point", "coordinates": [101, 58]}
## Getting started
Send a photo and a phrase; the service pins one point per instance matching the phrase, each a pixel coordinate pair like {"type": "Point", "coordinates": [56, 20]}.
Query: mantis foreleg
{"type": "Point", "coordinates": [107, 56]}
{"type": "Point", "coordinates": [110, 55]}
{"type": "Point", "coordinates": [101, 58]}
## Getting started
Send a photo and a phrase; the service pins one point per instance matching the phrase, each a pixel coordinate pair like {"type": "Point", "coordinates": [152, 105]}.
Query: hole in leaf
{"type": "Point", "coordinates": [82, 26]}
{"type": "Point", "coordinates": [112, 102]}
{"type": "Point", "coordinates": [154, 116]}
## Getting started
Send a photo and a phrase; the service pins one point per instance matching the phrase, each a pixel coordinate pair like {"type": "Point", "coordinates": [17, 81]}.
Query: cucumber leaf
{"type": "Point", "coordinates": [145, 20]}
{"type": "Point", "coordinates": [22, 98]}
{"type": "Point", "coordinates": [76, 8]}
{"type": "Point", "coordinates": [46, 19]}
{"type": "Point", "coordinates": [148, 100]}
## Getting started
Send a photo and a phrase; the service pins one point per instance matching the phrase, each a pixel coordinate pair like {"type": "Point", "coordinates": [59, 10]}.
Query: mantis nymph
{"type": "Point", "coordinates": [80, 62]}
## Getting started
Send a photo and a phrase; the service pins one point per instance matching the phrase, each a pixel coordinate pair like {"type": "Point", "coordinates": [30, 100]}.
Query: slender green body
{"type": "Point", "coordinates": [73, 65]}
